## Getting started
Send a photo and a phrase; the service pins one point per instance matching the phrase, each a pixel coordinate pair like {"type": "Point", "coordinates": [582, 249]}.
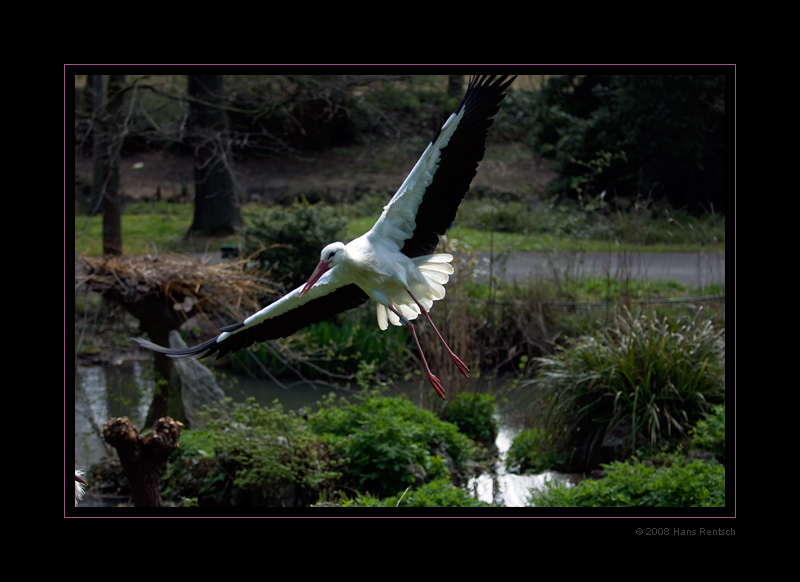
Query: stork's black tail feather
{"type": "Point", "coordinates": [198, 350]}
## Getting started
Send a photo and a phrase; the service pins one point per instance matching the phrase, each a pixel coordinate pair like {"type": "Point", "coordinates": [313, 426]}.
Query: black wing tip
{"type": "Point", "coordinates": [232, 327]}
{"type": "Point", "coordinates": [459, 163]}
{"type": "Point", "coordinates": [501, 82]}
{"type": "Point", "coordinates": [201, 350]}
{"type": "Point", "coordinates": [496, 84]}
{"type": "Point", "coordinates": [482, 88]}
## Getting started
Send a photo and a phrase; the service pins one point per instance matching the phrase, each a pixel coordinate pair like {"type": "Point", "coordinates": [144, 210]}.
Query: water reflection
{"type": "Point", "coordinates": [506, 489]}
{"type": "Point", "coordinates": [104, 392]}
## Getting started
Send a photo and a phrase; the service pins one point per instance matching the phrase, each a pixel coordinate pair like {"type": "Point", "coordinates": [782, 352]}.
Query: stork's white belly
{"type": "Point", "coordinates": [424, 277]}
{"type": "Point", "coordinates": [387, 275]}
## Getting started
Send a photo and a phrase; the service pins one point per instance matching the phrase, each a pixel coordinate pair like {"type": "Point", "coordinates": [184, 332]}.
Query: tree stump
{"type": "Point", "coordinates": [143, 456]}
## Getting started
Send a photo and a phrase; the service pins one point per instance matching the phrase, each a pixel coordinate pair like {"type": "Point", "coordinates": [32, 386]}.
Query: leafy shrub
{"type": "Point", "coordinates": [635, 484]}
{"type": "Point", "coordinates": [643, 381]}
{"type": "Point", "coordinates": [249, 455]}
{"type": "Point", "coordinates": [475, 415]}
{"type": "Point", "coordinates": [439, 493]}
{"type": "Point", "coordinates": [533, 451]}
{"type": "Point", "coordinates": [709, 433]}
{"type": "Point", "coordinates": [632, 135]}
{"type": "Point", "coordinates": [516, 119]}
{"type": "Point", "coordinates": [386, 444]}
{"type": "Point", "coordinates": [502, 216]}
{"type": "Point", "coordinates": [594, 219]}
{"type": "Point", "coordinates": [410, 105]}
{"type": "Point", "coordinates": [567, 219]}
{"type": "Point", "coordinates": [287, 241]}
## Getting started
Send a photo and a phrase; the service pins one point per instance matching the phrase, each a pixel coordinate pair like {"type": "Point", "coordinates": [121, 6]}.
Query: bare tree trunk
{"type": "Point", "coordinates": [108, 134]}
{"type": "Point", "coordinates": [99, 168]}
{"type": "Point", "coordinates": [216, 204]}
{"type": "Point", "coordinates": [84, 115]}
{"type": "Point", "coordinates": [143, 456]}
{"type": "Point", "coordinates": [112, 200]}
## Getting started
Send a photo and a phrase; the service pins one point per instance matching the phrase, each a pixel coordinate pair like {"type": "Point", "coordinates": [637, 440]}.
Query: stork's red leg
{"type": "Point", "coordinates": [434, 381]}
{"type": "Point", "coordinates": [462, 367]}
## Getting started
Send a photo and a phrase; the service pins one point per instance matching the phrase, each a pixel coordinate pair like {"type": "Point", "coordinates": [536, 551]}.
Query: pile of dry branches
{"type": "Point", "coordinates": [190, 285]}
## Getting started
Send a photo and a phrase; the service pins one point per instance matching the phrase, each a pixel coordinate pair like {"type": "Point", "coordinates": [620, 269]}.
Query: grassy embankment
{"type": "Point", "coordinates": [150, 227]}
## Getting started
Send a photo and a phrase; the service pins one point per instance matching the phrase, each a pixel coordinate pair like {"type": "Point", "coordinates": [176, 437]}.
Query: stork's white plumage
{"type": "Point", "coordinates": [393, 262]}
{"type": "Point", "coordinates": [80, 485]}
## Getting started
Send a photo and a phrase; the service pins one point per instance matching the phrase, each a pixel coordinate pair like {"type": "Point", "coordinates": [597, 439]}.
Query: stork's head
{"type": "Point", "coordinates": [329, 256]}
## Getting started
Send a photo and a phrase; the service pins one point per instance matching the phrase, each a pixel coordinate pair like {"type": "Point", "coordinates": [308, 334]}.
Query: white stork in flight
{"type": "Point", "coordinates": [393, 263]}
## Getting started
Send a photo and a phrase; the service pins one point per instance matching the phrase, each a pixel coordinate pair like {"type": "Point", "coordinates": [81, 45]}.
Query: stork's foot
{"type": "Point", "coordinates": [462, 367]}
{"type": "Point", "coordinates": [437, 385]}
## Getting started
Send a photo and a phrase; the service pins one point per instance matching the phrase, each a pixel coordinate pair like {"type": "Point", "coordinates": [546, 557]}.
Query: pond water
{"type": "Point", "coordinates": [103, 392]}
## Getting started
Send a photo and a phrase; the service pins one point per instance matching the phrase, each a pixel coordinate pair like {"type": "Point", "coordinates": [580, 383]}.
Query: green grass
{"type": "Point", "coordinates": [147, 227]}
{"type": "Point", "coordinates": [508, 241]}
{"type": "Point", "coordinates": [481, 240]}
{"type": "Point", "coordinates": [162, 227]}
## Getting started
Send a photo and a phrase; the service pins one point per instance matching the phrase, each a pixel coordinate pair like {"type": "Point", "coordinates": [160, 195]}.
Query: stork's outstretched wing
{"type": "Point", "coordinates": [425, 205]}
{"type": "Point", "coordinates": [282, 318]}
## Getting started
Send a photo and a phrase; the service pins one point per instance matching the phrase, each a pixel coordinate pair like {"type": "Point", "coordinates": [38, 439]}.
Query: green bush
{"type": "Point", "coordinates": [642, 382]}
{"type": "Point", "coordinates": [635, 484]}
{"type": "Point", "coordinates": [287, 241]}
{"type": "Point", "coordinates": [386, 444]}
{"type": "Point", "coordinates": [516, 119]}
{"type": "Point", "coordinates": [657, 136]}
{"type": "Point", "coordinates": [709, 433]}
{"type": "Point", "coordinates": [532, 451]}
{"type": "Point", "coordinates": [475, 415]}
{"type": "Point", "coordinates": [249, 455]}
{"type": "Point", "coordinates": [439, 493]}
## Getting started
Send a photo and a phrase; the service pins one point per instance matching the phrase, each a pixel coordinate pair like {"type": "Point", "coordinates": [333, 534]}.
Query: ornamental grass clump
{"type": "Point", "coordinates": [643, 382]}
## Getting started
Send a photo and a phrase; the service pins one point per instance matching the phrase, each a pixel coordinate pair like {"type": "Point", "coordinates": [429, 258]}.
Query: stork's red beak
{"type": "Point", "coordinates": [318, 272]}
{"type": "Point", "coordinates": [79, 480]}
